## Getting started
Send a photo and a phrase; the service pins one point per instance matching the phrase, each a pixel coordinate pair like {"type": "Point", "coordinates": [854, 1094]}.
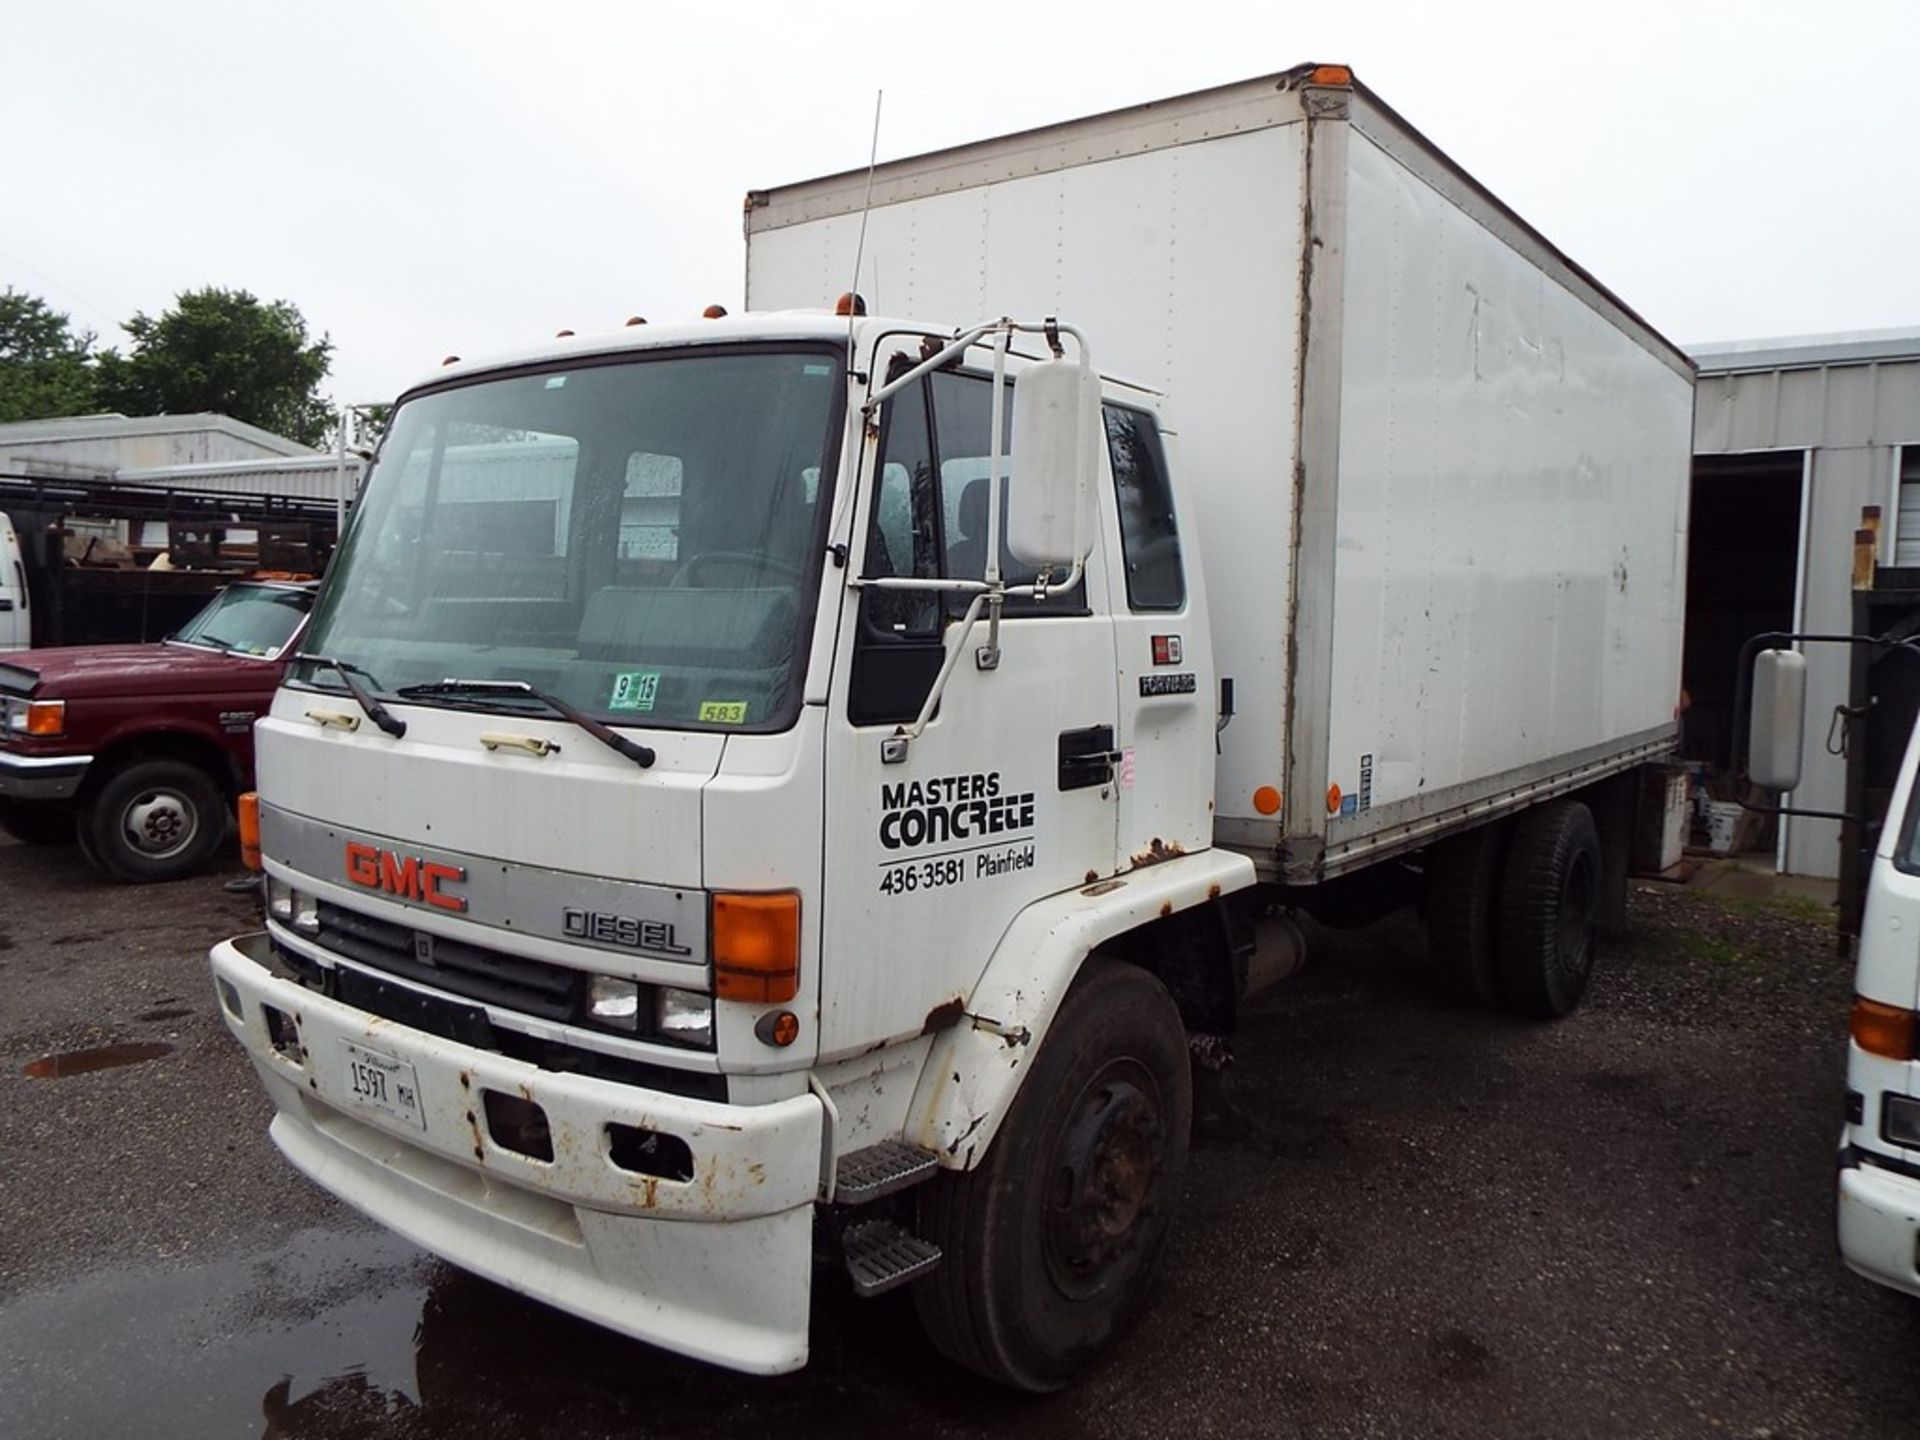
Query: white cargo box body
{"type": "Point", "coordinates": [1437, 474]}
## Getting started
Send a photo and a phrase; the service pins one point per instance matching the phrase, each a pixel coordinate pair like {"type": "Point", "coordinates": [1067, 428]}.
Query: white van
{"type": "Point", "coordinates": [16, 630]}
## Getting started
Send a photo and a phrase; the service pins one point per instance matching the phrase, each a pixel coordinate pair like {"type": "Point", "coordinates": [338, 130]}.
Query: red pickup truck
{"type": "Point", "coordinates": [138, 751]}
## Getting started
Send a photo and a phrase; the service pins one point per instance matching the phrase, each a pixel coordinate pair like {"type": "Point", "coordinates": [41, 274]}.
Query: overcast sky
{"type": "Point", "coordinates": [423, 179]}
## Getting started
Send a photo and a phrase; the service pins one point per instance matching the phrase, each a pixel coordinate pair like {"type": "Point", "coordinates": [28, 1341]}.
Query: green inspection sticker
{"type": "Point", "coordinates": [724, 712]}
{"type": "Point", "coordinates": [635, 690]}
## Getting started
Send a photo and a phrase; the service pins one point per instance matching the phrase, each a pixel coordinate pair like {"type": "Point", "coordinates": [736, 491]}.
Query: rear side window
{"type": "Point", "coordinates": [1149, 539]}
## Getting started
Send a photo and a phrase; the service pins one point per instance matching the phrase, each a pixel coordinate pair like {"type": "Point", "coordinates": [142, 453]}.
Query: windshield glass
{"type": "Point", "coordinates": [255, 620]}
{"type": "Point", "coordinates": [638, 538]}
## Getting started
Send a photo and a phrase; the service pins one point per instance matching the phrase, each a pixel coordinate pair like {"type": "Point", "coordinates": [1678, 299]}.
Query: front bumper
{"type": "Point", "coordinates": [718, 1266]}
{"type": "Point", "coordinates": [41, 777]}
{"type": "Point", "coordinates": [1879, 1222]}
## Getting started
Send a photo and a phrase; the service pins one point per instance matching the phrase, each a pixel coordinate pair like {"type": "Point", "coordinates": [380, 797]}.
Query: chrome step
{"type": "Point", "coordinates": [881, 1255]}
{"type": "Point", "coordinates": [863, 1175]}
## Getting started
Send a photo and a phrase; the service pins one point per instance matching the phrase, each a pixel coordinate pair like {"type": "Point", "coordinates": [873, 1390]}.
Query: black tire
{"type": "Point", "coordinates": [32, 824]}
{"type": "Point", "coordinates": [1050, 1242]}
{"type": "Point", "coordinates": [1463, 900]}
{"type": "Point", "coordinates": [154, 820]}
{"type": "Point", "coordinates": [1549, 901]}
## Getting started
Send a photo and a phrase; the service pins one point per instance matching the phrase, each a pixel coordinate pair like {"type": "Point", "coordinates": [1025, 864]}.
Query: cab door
{"type": "Point", "coordinates": [1008, 795]}
{"type": "Point", "coordinates": [1167, 690]}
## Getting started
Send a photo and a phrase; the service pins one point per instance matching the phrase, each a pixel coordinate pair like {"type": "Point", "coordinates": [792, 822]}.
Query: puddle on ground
{"type": "Point", "coordinates": [355, 1333]}
{"type": "Point", "coordinates": [85, 1062]}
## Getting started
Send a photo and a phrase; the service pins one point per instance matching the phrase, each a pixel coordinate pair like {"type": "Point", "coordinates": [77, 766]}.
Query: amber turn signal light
{"type": "Point", "coordinates": [47, 718]}
{"type": "Point", "coordinates": [1883, 1030]}
{"type": "Point", "coordinates": [756, 947]}
{"type": "Point", "coordinates": [250, 829]}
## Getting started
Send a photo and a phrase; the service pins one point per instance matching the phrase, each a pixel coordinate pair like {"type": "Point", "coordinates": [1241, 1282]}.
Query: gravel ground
{"type": "Point", "coordinates": [1403, 1217]}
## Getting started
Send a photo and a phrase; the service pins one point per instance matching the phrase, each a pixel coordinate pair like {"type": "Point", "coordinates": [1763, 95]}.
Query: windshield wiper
{"type": "Point", "coordinates": [641, 755]}
{"type": "Point", "coordinates": [364, 698]}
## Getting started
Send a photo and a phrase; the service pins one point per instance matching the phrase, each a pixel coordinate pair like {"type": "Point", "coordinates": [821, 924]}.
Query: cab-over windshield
{"type": "Point", "coordinates": [639, 539]}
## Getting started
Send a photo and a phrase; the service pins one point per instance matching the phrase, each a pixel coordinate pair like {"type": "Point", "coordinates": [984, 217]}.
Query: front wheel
{"type": "Point", "coordinates": [1050, 1242]}
{"type": "Point", "coordinates": [154, 820]}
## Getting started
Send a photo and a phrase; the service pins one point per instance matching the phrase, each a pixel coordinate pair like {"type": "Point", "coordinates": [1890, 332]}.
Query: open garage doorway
{"type": "Point", "coordinates": [1743, 573]}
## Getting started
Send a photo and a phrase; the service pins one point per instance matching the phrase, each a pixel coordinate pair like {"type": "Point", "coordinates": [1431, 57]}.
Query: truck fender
{"type": "Point", "coordinates": [975, 1067]}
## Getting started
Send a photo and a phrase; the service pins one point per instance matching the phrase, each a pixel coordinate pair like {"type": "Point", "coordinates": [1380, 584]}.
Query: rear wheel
{"type": "Point", "coordinates": [1050, 1243]}
{"type": "Point", "coordinates": [32, 824]}
{"type": "Point", "coordinates": [1549, 901]}
{"type": "Point", "coordinates": [1463, 897]}
{"type": "Point", "coordinates": [155, 820]}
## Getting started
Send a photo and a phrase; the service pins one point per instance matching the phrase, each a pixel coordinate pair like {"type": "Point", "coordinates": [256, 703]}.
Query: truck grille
{"type": "Point", "coordinates": [512, 982]}
{"type": "Point", "coordinates": [469, 1025]}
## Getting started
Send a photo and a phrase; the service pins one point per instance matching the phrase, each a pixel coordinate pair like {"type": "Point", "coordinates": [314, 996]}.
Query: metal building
{"type": "Point", "coordinates": [1794, 440]}
{"type": "Point", "coordinates": [191, 452]}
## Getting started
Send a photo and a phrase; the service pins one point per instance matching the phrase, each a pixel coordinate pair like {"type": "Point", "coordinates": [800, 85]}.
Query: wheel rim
{"type": "Point", "coordinates": [1105, 1171]}
{"type": "Point", "coordinates": [1574, 924]}
{"type": "Point", "coordinates": [159, 824]}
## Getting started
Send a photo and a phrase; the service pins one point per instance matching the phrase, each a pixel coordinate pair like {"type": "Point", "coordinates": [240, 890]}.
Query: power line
{"type": "Point", "coordinates": [99, 312]}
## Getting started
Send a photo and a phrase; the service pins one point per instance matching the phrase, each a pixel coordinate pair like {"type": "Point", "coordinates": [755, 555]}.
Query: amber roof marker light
{"type": "Point", "coordinates": [1340, 76]}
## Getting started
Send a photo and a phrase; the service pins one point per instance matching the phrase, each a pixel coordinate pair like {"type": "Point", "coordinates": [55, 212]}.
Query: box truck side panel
{"type": "Point", "coordinates": [1509, 556]}
{"type": "Point", "coordinates": [1183, 264]}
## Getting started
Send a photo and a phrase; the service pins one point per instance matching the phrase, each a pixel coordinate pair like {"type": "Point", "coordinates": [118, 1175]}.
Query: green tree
{"type": "Point", "coordinates": [43, 364]}
{"type": "Point", "coordinates": [224, 351]}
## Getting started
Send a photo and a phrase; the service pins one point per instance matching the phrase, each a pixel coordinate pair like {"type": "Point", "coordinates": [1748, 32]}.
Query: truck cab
{"type": "Point", "coordinates": [695, 798]}
{"type": "Point", "coordinates": [1879, 1158]}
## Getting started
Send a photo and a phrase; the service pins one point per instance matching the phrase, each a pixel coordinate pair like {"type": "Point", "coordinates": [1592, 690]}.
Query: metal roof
{"type": "Point", "coordinates": [118, 427]}
{"type": "Point", "coordinates": [1807, 352]}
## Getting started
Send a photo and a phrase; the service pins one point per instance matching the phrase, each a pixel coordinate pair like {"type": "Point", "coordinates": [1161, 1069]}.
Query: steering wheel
{"type": "Point", "coordinates": [761, 566]}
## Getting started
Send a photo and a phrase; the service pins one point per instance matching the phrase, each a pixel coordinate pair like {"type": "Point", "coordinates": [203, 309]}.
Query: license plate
{"type": "Point", "coordinates": [380, 1082]}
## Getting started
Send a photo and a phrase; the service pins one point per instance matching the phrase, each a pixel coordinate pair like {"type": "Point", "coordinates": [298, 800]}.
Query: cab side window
{"type": "Point", "coordinates": [1149, 539]}
{"type": "Point", "coordinates": [904, 539]}
{"type": "Point", "coordinates": [929, 519]}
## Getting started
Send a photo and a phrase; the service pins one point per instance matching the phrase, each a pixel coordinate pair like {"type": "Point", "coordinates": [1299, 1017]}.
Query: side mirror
{"type": "Point", "coordinates": [1054, 465]}
{"type": "Point", "coordinates": [1779, 722]}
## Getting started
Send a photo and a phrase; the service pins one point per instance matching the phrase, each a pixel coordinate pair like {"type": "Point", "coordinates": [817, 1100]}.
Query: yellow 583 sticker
{"type": "Point", "coordinates": [723, 712]}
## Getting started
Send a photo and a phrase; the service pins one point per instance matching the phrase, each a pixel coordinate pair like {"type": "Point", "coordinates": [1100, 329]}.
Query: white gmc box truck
{"type": "Point", "coordinates": [724, 807]}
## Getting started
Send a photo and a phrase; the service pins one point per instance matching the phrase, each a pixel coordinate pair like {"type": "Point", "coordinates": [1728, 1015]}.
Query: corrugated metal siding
{"type": "Point", "coordinates": [1906, 547]}
{"type": "Point", "coordinates": [1839, 406]}
{"type": "Point", "coordinates": [299, 479]}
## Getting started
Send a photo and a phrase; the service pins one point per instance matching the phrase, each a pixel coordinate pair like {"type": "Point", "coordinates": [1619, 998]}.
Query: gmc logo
{"type": "Point", "coordinates": [407, 876]}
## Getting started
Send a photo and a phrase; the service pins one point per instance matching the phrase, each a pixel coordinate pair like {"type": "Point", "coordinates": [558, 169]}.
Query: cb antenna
{"type": "Point", "coordinates": [854, 307]}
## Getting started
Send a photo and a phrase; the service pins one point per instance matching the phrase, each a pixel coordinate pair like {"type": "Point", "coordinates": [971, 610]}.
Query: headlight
{"type": "Point", "coordinates": [613, 1002]}
{"type": "Point", "coordinates": [684, 1017]}
{"type": "Point", "coordinates": [44, 718]}
{"type": "Point", "coordinates": [1900, 1119]}
{"type": "Point", "coordinates": [291, 906]}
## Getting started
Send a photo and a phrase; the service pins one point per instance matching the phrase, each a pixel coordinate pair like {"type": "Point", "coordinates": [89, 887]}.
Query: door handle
{"type": "Point", "coordinates": [1087, 757]}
